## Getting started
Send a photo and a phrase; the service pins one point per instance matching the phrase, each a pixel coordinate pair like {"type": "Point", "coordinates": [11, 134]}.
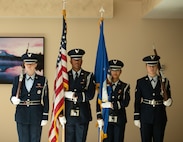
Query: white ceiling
{"type": "Point", "coordinates": [167, 9]}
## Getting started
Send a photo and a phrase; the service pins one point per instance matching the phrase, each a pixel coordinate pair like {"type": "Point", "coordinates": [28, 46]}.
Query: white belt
{"type": "Point", "coordinates": [28, 103]}
{"type": "Point", "coordinates": [152, 102]}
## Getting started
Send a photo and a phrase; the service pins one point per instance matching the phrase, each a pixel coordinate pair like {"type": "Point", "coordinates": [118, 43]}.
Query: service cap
{"type": "Point", "coordinates": [76, 53]}
{"type": "Point", "coordinates": [151, 59]}
{"type": "Point", "coordinates": [29, 58]}
{"type": "Point", "coordinates": [115, 64]}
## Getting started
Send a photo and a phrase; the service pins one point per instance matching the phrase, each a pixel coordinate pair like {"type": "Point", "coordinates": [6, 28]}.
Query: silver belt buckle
{"type": "Point", "coordinates": [153, 103]}
{"type": "Point", "coordinates": [28, 103]}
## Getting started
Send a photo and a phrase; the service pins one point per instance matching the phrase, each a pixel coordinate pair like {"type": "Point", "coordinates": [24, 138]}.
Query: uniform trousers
{"type": "Point", "coordinates": [115, 132]}
{"type": "Point", "coordinates": [76, 132]}
{"type": "Point", "coordinates": [29, 132]}
{"type": "Point", "coordinates": [152, 132]}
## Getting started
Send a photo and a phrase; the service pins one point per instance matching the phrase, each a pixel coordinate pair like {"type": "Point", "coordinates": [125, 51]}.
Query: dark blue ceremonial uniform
{"type": "Point", "coordinates": [152, 95]}
{"type": "Point", "coordinates": [32, 109]}
{"type": "Point", "coordinates": [120, 98]}
{"type": "Point", "coordinates": [77, 125]}
{"type": "Point", "coordinates": [152, 116]}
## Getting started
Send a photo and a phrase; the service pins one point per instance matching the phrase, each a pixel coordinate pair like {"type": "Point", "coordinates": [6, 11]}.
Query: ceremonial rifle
{"type": "Point", "coordinates": [21, 76]}
{"type": "Point", "coordinates": [162, 78]}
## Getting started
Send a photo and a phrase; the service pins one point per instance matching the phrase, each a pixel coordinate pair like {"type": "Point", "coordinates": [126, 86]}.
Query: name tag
{"type": "Point", "coordinates": [74, 112]}
{"type": "Point", "coordinates": [113, 119]}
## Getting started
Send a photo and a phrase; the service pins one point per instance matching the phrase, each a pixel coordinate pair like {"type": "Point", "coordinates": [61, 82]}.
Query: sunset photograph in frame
{"type": "Point", "coordinates": [11, 50]}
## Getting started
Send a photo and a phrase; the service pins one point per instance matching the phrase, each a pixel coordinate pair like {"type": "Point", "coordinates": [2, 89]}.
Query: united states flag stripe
{"type": "Point", "coordinates": [60, 85]}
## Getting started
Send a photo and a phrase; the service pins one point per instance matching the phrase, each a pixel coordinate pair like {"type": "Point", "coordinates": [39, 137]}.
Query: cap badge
{"type": "Point", "coordinates": [77, 50]}
{"type": "Point", "coordinates": [114, 61]}
{"type": "Point", "coordinates": [29, 54]}
{"type": "Point", "coordinates": [152, 57]}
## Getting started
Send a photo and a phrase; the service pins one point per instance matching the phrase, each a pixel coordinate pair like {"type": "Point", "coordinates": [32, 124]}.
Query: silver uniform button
{"type": "Point", "coordinates": [38, 92]}
{"type": "Point", "coordinates": [28, 102]}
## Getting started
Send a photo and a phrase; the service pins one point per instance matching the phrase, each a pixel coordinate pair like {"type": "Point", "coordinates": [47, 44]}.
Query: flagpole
{"type": "Point", "coordinates": [101, 19]}
{"type": "Point", "coordinates": [60, 86]}
{"type": "Point", "coordinates": [63, 126]}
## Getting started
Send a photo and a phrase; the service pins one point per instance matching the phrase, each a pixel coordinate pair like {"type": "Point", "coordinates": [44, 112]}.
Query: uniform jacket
{"type": "Point", "coordinates": [32, 114]}
{"type": "Point", "coordinates": [84, 89]}
{"type": "Point", "coordinates": [147, 113]}
{"type": "Point", "coordinates": [120, 98]}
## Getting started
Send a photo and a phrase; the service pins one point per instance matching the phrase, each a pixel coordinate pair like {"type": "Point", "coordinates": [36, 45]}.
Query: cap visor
{"type": "Point", "coordinates": [76, 58]}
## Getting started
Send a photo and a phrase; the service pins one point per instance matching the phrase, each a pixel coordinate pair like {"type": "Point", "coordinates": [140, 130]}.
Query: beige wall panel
{"type": "Point", "coordinates": [52, 8]}
{"type": "Point", "coordinates": [148, 5]}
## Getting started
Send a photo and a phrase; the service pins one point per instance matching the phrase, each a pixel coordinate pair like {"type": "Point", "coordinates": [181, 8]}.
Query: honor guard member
{"type": "Point", "coordinates": [150, 105]}
{"type": "Point", "coordinates": [32, 102]}
{"type": "Point", "coordinates": [120, 97]}
{"type": "Point", "coordinates": [77, 105]}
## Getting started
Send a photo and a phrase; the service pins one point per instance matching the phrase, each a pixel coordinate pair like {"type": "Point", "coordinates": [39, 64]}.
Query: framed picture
{"type": "Point", "coordinates": [11, 50]}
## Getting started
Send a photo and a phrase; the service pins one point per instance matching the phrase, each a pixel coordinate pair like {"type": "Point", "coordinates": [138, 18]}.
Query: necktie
{"type": "Point", "coordinates": [76, 76]}
{"type": "Point", "coordinates": [30, 78]}
{"type": "Point", "coordinates": [152, 80]}
{"type": "Point", "coordinates": [29, 83]}
{"type": "Point", "coordinates": [113, 87]}
{"type": "Point", "coordinates": [153, 83]}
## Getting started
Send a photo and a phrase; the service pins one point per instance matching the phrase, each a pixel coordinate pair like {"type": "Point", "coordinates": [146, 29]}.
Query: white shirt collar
{"type": "Point", "coordinates": [155, 78]}
{"type": "Point", "coordinates": [32, 76]}
{"type": "Point", "coordinates": [115, 82]}
{"type": "Point", "coordinates": [74, 72]}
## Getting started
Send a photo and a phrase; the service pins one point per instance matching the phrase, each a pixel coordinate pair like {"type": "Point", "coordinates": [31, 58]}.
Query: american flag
{"type": "Point", "coordinates": [60, 84]}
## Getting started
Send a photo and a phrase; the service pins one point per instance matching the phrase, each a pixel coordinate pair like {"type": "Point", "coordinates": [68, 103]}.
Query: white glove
{"type": "Point", "coordinates": [62, 120]}
{"type": "Point", "coordinates": [69, 94]}
{"type": "Point", "coordinates": [100, 123]}
{"type": "Point", "coordinates": [44, 122]}
{"type": "Point", "coordinates": [137, 123]}
{"type": "Point", "coordinates": [75, 99]}
{"type": "Point", "coordinates": [106, 105]}
{"type": "Point", "coordinates": [15, 100]}
{"type": "Point", "coordinates": [168, 102]}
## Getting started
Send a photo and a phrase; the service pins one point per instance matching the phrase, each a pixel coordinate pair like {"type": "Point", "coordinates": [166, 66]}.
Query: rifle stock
{"type": "Point", "coordinates": [162, 77]}
{"type": "Point", "coordinates": [19, 84]}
